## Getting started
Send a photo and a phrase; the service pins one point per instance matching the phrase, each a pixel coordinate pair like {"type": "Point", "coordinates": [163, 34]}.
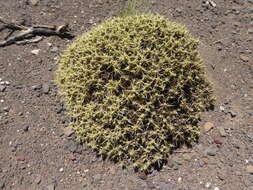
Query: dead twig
{"type": "Point", "coordinates": [26, 34]}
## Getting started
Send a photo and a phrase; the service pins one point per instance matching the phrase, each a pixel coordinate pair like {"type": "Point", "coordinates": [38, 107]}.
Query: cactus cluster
{"type": "Point", "coordinates": [135, 87]}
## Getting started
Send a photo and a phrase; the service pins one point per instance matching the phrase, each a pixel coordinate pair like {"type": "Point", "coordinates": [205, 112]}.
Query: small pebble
{"type": "Point", "coordinates": [218, 140]}
{"type": "Point", "coordinates": [208, 185]}
{"type": "Point", "coordinates": [250, 30]}
{"type": "Point", "coordinates": [51, 187]}
{"type": "Point", "coordinates": [20, 158]}
{"type": "Point", "coordinates": [211, 152]}
{"type": "Point", "coordinates": [2, 88]}
{"type": "Point", "coordinates": [222, 132]}
{"type": "Point", "coordinates": [6, 109]}
{"type": "Point", "coordinates": [222, 108]}
{"type": "Point", "coordinates": [250, 169]}
{"type": "Point", "coordinates": [35, 51]}
{"type": "Point", "coordinates": [143, 176]}
{"type": "Point", "coordinates": [36, 87]}
{"type": "Point", "coordinates": [61, 170]}
{"type": "Point", "coordinates": [232, 113]}
{"type": "Point", "coordinates": [37, 180]}
{"type": "Point", "coordinates": [68, 131]}
{"type": "Point", "coordinates": [70, 157]}
{"type": "Point", "coordinates": [2, 184]}
{"type": "Point", "coordinates": [45, 88]}
{"type": "Point", "coordinates": [54, 49]}
{"type": "Point", "coordinates": [26, 128]}
{"type": "Point", "coordinates": [208, 126]}
{"type": "Point", "coordinates": [212, 3]}
{"type": "Point", "coordinates": [34, 2]}
{"type": "Point", "coordinates": [244, 57]}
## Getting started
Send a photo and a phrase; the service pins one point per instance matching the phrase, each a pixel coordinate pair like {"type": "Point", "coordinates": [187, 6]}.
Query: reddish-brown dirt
{"type": "Point", "coordinates": [34, 150]}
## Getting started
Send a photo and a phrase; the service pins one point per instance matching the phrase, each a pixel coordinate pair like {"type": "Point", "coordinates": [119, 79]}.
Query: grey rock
{"type": "Point", "coordinates": [232, 113]}
{"type": "Point", "coordinates": [2, 88]}
{"type": "Point", "coordinates": [59, 108]}
{"type": "Point", "coordinates": [211, 151]}
{"type": "Point", "coordinates": [178, 10]}
{"type": "Point", "coordinates": [164, 186]}
{"type": "Point", "coordinates": [37, 179]}
{"type": "Point", "coordinates": [51, 187]}
{"type": "Point", "coordinates": [201, 163]}
{"type": "Point", "coordinates": [18, 86]}
{"type": "Point", "coordinates": [97, 178]}
{"type": "Point", "coordinates": [250, 30]}
{"type": "Point", "coordinates": [237, 145]}
{"type": "Point", "coordinates": [2, 184]}
{"type": "Point", "coordinates": [251, 10]}
{"type": "Point", "coordinates": [71, 146]}
{"type": "Point", "coordinates": [68, 131]}
{"type": "Point", "coordinates": [151, 185]}
{"type": "Point", "coordinates": [45, 88]}
{"type": "Point", "coordinates": [54, 49]}
{"type": "Point", "coordinates": [6, 108]}
{"type": "Point", "coordinates": [222, 132]}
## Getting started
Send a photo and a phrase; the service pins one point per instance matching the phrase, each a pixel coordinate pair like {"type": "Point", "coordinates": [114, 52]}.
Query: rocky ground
{"type": "Point", "coordinates": [37, 150]}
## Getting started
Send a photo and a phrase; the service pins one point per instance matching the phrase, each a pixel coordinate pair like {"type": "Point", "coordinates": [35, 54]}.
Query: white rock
{"type": "Point", "coordinates": [216, 188]}
{"type": "Point", "coordinates": [35, 51]}
{"type": "Point", "coordinates": [208, 185]}
{"type": "Point", "coordinates": [222, 108]}
{"type": "Point", "coordinates": [212, 3]}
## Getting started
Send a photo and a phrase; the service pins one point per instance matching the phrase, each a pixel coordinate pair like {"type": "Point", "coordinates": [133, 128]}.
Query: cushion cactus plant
{"type": "Point", "coordinates": [135, 87]}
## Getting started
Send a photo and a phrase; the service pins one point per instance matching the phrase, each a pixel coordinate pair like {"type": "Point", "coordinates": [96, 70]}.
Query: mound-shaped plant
{"type": "Point", "coordinates": [135, 87]}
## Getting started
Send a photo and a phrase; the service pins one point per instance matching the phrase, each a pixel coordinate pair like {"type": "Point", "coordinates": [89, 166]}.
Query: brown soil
{"type": "Point", "coordinates": [34, 150]}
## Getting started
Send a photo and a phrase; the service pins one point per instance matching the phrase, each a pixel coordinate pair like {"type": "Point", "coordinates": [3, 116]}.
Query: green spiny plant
{"type": "Point", "coordinates": [136, 87]}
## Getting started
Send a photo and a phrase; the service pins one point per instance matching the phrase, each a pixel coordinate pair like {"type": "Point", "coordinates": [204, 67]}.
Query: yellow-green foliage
{"type": "Point", "coordinates": [136, 87]}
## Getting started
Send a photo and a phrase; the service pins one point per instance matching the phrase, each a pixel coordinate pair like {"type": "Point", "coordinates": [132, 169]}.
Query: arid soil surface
{"type": "Point", "coordinates": [36, 150]}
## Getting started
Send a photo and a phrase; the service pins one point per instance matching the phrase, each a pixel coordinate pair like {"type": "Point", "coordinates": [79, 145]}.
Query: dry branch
{"type": "Point", "coordinates": [26, 34]}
